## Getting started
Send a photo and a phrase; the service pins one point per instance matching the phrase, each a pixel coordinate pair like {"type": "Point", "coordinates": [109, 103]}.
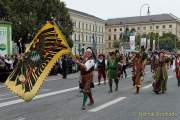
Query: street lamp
{"type": "Point", "coordinates": [146, 4]}
{"type": "Point", "coordinates": [148, 12]}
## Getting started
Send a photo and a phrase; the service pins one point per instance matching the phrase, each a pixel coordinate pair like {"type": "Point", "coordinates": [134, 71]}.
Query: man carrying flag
{"type": "Point", "coordinates": [87, 67]}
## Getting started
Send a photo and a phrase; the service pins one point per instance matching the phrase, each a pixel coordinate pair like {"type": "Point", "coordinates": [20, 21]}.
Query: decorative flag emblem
{"type": "Point", "coordinates": [45, 49]}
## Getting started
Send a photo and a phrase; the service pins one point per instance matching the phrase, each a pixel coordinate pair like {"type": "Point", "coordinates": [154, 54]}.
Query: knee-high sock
{"type": "Point", "coordinates": [84, 99]}
{"type": "Point", "coordinates": [90, 97]}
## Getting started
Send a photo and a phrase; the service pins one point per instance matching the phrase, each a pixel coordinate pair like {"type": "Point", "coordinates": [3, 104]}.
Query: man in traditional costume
{"type": "Point", "coordinates": [177, 63]}
{"type": "Point", "coordinates": [101, 66]}
{"type": "Point", "coordinates": [144, 56]}
{"type": "Point", "coordinates": [161, 74]}
{"type": "Point", "coordinates": [112, 71]}
{"type": "Point", "coordinates": [138, 67]}
{"type": "Point", "coordinates": [87, 67]}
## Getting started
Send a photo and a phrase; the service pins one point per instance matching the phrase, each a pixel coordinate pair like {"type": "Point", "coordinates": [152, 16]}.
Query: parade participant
{"type": "Point", "coordinates": [87, 67]}
{"type": "Point", "coordinates": [161, 74]}
{"type": "Point", "coordinates": [64, 66]}
{"type": "Point", "coordinates": [178, 68]}
{"type": "Point", "coordinates": [112, 65]}
{"type": "Point", "coordinates": [124, 65]}
{"type": "Point", "coordinates": [144, 59]}
{"type": "Point", "coordinates": [137, 72]}
{"type": "Point", "coordinates": [101, 66]}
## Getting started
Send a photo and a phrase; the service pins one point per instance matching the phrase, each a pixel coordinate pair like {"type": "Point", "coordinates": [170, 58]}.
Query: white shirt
{"type": "Point", "coordinates": [89, 64]}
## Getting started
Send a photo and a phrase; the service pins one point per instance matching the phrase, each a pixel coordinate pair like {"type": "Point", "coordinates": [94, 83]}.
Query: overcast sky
{"type": "Point", "coordinates": [106, 9]}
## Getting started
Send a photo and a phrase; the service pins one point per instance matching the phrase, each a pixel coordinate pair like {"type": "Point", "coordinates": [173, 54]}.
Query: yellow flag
{"type": "Point", "coordinates": [34, 66]}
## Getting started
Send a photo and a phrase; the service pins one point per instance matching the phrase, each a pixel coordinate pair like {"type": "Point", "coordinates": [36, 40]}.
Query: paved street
{"type": "Point", "coordinates": [60, 99]}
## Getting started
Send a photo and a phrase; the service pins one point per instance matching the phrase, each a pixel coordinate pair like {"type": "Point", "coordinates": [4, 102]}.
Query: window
{"type": "Point", "coordinates": [79, 24]}
{"type": "Point", "coordinates": [86, 38]}
{"type": "Point", "coordinates": [74, 24]}
{"type": "Point", "coordinates": [83, 26]}
{"type": "Point", "coordinates": [163, 26]}
{"type": "Point", "coordinates": [75, 36]}
{"type": "Point", "coordinates": [144, 28]}
{"type": "Point", "coordinates": [120, 29]}
{"type": "Point", "coordinates": [138, 28]}
{"type": "Point", "coordinates": [114, 37]}
{"type": "Point", "coordinates": [151, 27]}
{"type": "Point", "coordinates": [157, 27]}
{"type": "Point", "coordinates": [86, 26]}
{"type": "Point", "coordinates": [109, 45]}
{"type": "Point", "coordinates": [109, 30]}
{"type": "Point", "coordinates": [114, 30]}
{"type": "Point", "coordinates": [79, 37]}
{"type": "Point", "coordinates": [170, 26]}
{"type": "Point", "coordinates": [90, 27]}
{"type": "Point", "coordinates": [109, 37]}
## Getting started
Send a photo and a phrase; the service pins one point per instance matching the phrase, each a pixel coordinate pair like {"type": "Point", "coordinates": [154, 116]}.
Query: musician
{"type": "Point", "coordinates": [87, 67]}
{"type": "Point", "coordinates": [112, 70]}
{"type": "Point", "coordinates": [178, 68]}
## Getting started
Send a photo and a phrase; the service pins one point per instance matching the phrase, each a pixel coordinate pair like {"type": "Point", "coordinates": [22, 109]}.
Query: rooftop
{"type": "Point", "coordinates": [84, 14]}
{"type": "Point", "coordinates": [142, 19]}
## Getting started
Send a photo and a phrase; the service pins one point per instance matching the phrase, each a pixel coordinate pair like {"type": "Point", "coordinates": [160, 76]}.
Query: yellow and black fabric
{"type": "Point", "coordinates": [46, 48]}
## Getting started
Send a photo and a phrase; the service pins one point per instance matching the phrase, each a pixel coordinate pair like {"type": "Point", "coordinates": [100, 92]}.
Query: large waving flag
{"type": "Point", "coordinates": [45, 49]}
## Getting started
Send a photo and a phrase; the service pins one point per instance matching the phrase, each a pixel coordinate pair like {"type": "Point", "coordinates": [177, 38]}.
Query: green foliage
{"type": "Point", "coordinates": [29, 15]}
{"type": "Point", "coordinates": [167, 41]}
{"type": "Point", "coordinates": [116, 44]}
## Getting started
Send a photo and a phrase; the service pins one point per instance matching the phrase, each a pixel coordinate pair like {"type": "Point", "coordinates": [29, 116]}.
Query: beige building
{"type": "Point", "coordinates": [89, 31]}
{"type": "Point", "coordinates": [162, 23]}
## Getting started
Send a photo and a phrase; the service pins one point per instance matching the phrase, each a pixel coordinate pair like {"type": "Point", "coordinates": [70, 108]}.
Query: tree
{"type": "Point", "coordinates": [116, 44]}
{"type": "Point", "coordinates": [167, 41]}
{"type": "Point", "coordinates": [4, 10]}
{"type": "Point", "coordinates": [29, 15]}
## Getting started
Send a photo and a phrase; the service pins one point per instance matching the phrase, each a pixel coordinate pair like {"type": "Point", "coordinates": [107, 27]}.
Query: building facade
{"type": "Point", "coordinates": [162, 23]}
{"type": "Point", "coordinates": [89, 31]}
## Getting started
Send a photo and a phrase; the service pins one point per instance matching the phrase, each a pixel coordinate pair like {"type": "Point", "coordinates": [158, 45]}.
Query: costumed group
{"type": "Point", "coordinates": [115, 67]}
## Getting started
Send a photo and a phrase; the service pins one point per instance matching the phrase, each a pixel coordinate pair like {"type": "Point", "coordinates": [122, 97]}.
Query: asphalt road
{"type": "Point", "coordinates": [60, 99]}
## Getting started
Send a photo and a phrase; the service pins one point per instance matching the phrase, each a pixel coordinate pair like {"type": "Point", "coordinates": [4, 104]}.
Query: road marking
{"type": "Point", "coordinates": [147, 86]}
{"type": "Point", "coordinates": [171, 76]}
{"type": "Point", "coordinates": [41, 96]}
{"type": "Point", "coordinates": [5, 95]}
{"type": "Point", "coordinates": [20, 118]}
{"type": "Point", "coordinates": [107, 104]}
{"type": "Point", "coordinates": [6, 98]}
{"type": "Point", "coordinates": [2, 86]}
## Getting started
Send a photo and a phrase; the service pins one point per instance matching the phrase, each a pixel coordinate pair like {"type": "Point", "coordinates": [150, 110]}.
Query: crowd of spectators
{"type": "Point", "coordinates": [7, 64]}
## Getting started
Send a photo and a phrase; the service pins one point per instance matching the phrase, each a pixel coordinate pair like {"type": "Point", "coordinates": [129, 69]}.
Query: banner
{"type": "Point", "coordinates": [154, 45]}
{"type": "Point", "coordinates": [143, 42]}
{"type": "Point", "coordinates": [33, 67]}
{"type": "Point", "coordinates": [148, 44]}
{"type": "Point", "coordinates": [3, 41]}
{"type": "Point", "coordinates": [132, 42]}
